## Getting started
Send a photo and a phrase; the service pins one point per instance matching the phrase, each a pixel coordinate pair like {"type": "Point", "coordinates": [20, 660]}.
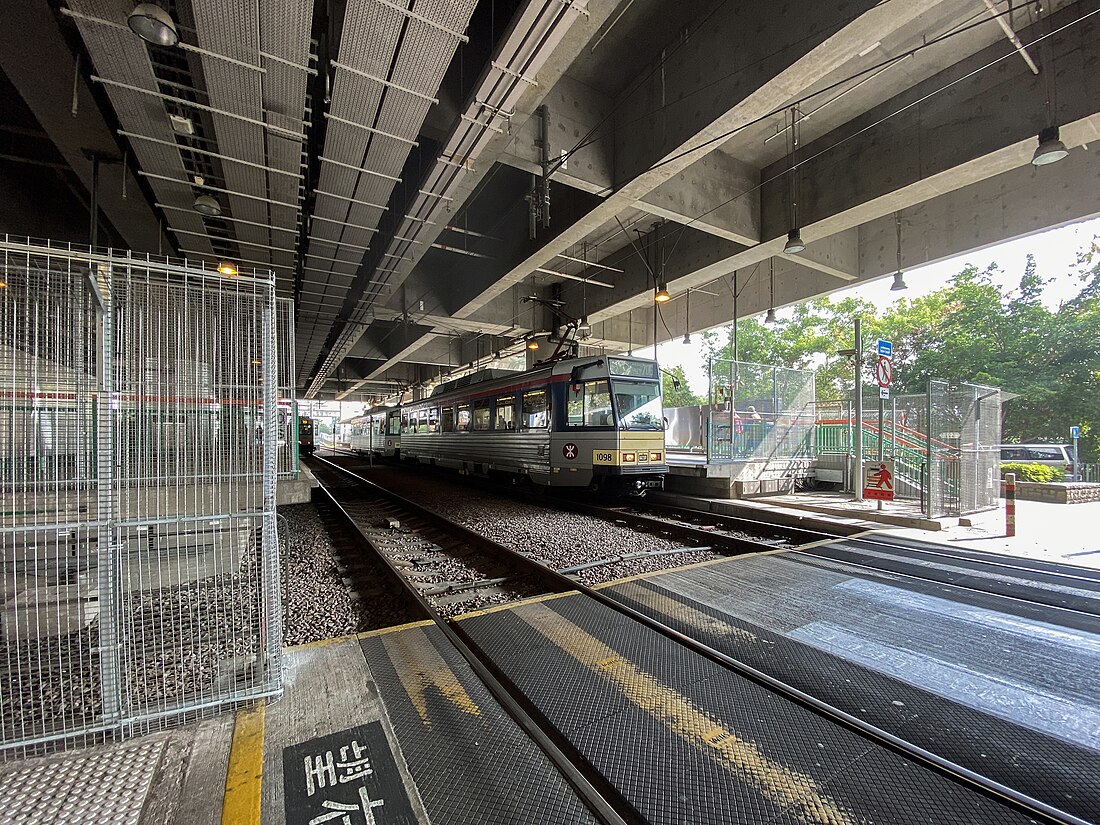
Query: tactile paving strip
{"type": "Point", "coordinates": [469, 760]}
{"type": "Point", "coordinates": [108, 786]}
{"type": "Point", "coordinates": [697, 743]}
{"type": "Point", "coordinates": [1044, 767]}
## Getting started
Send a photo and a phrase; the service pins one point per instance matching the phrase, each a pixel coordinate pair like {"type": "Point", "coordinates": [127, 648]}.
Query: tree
{"type": "Point", "coordinates": [971, 331]}
{"type": "Point", "coordinates": [681, 395]}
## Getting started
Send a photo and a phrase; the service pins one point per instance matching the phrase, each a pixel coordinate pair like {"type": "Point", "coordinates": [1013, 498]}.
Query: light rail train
{"type": "Point", "coordinates": [594, 423]}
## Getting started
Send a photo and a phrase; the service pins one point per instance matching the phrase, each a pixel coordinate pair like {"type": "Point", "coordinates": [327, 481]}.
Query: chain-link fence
{"type": "Point", "coordinates": [943, 442]}
{"type": "Point", "coordinates": [138, 452]}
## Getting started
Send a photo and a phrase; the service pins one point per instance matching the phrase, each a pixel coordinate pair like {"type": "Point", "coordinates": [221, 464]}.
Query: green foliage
{"type": "Point", "coordinates": [971, 330]}
{"type": "Point", "coordinates": [674, 396]}
{"type": "Point", "coordinates": [1032, 472]}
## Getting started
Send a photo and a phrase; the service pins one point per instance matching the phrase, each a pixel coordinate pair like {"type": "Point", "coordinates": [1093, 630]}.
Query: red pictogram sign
{"type": "Point", "coordinates": [569, 450]}
{"type": "Point", "coordinates": [884, 371]}
{"type": "Point", "coordinates": [878, 480]}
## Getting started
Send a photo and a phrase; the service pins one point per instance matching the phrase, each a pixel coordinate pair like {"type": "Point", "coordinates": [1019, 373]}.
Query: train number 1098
{"type": "Point", "coordinates": [603, 457]}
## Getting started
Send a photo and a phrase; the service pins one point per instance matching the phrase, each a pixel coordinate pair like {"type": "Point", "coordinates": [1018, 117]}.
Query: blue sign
{"type": "Point", "coordinates": [886, 348]}
{"type": "Point", "coordinates": [1074, 432]}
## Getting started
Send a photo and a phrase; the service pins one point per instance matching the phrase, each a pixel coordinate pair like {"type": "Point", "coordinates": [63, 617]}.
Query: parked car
{"type": "Point", "coordinates": [1050, 455]}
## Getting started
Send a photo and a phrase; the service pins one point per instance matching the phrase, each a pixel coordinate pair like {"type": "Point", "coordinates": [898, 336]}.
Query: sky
{"type": "Point", "coordinates": [1055, 254]}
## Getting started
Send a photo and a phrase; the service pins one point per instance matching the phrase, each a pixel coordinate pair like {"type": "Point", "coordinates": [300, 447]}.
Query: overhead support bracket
{"type": "Point", "coordinates": [427, 21]}
{"type": "Point", "coordinates": [202, 107]}
{"type": "Point", "coordinates": [387, 83]}
{"type": "Point", "coordinates": [371, 129]}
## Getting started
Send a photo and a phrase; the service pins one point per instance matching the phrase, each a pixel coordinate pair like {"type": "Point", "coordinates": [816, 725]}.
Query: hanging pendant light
{"type": "Point", "coordinates": [769, 318]}
{"type": "Point", "coordinates": [584, 329]}
{"type": "Point", "coordinates": [1050, 149]}
{"type": "Point", "coordinates": [153, 25]}
{"type": "Point", "coordinates": [227, 268]}
{"type": "Point", "coordinates": [207, 205]}
{"type": "Point", "coordinates": [794, 243]}
{"type": "Point", "coordinates": [899, 278]}
{"type": "Point", "coordinates": [662, 296]}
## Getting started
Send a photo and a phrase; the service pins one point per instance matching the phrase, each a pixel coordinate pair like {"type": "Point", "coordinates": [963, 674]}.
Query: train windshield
{"type": "Point", "coordinates": [638, 404]}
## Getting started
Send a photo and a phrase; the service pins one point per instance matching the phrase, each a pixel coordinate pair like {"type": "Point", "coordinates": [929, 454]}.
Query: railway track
{"type": "Point", "coordinates": [520, 574]}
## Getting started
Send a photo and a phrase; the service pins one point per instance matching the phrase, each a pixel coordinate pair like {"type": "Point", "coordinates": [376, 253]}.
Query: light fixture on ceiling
{"type": "Point", "coordinates": [794, 243]}
{"type": "Point", "coordinates": [1050, 148]}
{"type": "Point", "coordinates": [532, 345]}
{"type": "Point", "coordinates": [770, 317]}
{"type": "Point", "coordinates": [227, 268]}
{"type": "Point", "coordinates": [153, 24]}
{"type": "Point", "coordinates": [208, 205]}
{"type": "Point", "coordinates": [584, 329]}
{"type": "Point", "coordinates": [182, 125]}
{"type": "Point", "coordinates": [899, 278]}
{"type": "Point", "coordinates": [687, 317]}
{"type": "Point", "coordinates": [661, 296]}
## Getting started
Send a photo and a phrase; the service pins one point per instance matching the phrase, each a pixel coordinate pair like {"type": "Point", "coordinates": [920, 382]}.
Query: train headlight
{"type": "Point", "coordinates": [654, 456]}
{"type": "Point", "coordinates": [629, 457]}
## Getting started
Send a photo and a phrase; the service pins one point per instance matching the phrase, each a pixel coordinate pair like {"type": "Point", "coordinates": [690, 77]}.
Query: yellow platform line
{"type": "Point", "coordinates": [806, 799]}
{"type": "Point", "coordinates": [243, 779]}
{"type": "Point", "coordinates": [351, 637]}
{"type": "Point", "coordinates": [497, 608]}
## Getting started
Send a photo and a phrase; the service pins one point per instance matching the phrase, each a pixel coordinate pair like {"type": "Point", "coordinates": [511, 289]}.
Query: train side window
{"type": "Point", "coordinates": [589, 404]}
{"type": "Point", "coordinates": [433, 419]}
{"type": "Point", "coordinates": [506, 413]}
{"type": "Point", "coordinates": [463, 417]}
{"type": "Point", "coordinates": [536, 410]}
{"type": "Point", "coordinates": [395, 424]}
{"type": "Point", "coordinates": [448, 420]}
{"type": "Point", "coordinates": [481, 418]}
{"type": "Point", "coordinates": [404, 421]}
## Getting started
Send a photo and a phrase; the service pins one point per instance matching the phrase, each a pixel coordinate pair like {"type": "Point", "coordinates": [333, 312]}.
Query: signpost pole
{"type": "Point", "coordinates": [859, 411]}
{"type": "Point", "coordinates": [881, 424]}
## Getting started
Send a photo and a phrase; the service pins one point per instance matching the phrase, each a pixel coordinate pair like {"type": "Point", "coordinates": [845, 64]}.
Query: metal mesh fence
{"type": "Point", "coordinates": [943, 442]}
{"type": "Point", "coordinates": [138, 451]}
{"type": "Point", "coordinates": [759, 412]}
{"type": "Point", "coordinates": [287, 442]}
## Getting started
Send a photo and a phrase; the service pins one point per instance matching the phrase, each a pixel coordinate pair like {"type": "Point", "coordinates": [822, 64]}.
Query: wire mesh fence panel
{"type": "Point", "coordinates": [49, 641]}
{"type": "Point", "coordinates": [758, 412]}
{"type": "Point", "coordinates": [139, 482]}
{"type": "Point", "coordinates": [288, 411]}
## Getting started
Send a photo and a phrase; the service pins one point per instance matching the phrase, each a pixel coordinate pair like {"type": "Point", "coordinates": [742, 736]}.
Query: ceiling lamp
{"type": "Point", "coordinates": [1050, 148]}
{"type": "Point", "coordinates": [208, 205]}
{"type": "Point", "coordinates": [662, 296]}
{"type": "Point", "coordinates": [153, 25]}
{"type": "Point", "coordinates": [794, 243]}
{"type": "Point", "coordinates": [227, 268]}
{"type": "Point", "coordinates": [687, 337]}
{"type": "Point", "coordinates": [584, 329]}
{"type": "Point", "coordinates": [794, 181]}
{"type": "Point", "coordinates": [770, 317]}
{"type": "Point", "coordinates": [899, 278]}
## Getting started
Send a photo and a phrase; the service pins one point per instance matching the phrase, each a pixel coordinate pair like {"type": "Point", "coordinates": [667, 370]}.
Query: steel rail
{"type": "Point", "coordinates": [602, 800]}
{"type": "Point", "coordinates": [945, 767]}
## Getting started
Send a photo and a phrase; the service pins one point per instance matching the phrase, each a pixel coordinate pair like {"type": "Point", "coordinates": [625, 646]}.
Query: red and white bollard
{"type": "Point", "coordinates": [1010, 504]}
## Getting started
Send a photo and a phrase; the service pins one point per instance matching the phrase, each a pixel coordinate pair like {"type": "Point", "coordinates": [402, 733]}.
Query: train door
{"type": "Point", "coordinates": [584, 426]}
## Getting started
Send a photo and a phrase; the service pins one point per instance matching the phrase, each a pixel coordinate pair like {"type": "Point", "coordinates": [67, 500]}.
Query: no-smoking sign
{"type": "Point", "coordinates": [884, 371]}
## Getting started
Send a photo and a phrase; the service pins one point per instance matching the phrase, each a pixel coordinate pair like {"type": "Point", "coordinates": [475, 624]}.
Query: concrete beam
{"type": "Point", "coordinates": [761, 62]}
{"type": "Point", "coordinates": [926, 142]}
{"type": "Point", "coordinates": [36, 59]}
